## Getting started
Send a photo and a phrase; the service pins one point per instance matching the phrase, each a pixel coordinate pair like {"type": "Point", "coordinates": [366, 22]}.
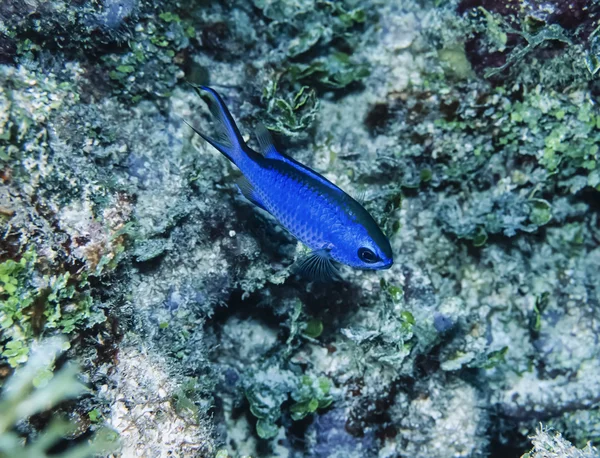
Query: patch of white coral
{"type": "Point", "coordinates": [445, 420]}
{"type": "Point", "coordinates": [553, 445]}
{"type": "Point", "coordinates": [142, 410]}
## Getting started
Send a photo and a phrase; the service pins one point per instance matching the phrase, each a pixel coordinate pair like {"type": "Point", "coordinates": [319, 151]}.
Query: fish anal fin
{"type": "Point", "coordinates": [249, 192]}
{"type": "Point", "coordinates": [318, 266]}
{"type": "Point", "coordinates": [265, 141]}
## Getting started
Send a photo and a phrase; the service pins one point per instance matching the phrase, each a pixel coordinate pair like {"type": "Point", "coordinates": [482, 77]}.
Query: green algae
{"type": "Point", "coordinates": [35, 304]}
{"type": "Point", "coordinates": [474, 135]}
{"type": "Point", "coordinates": [291, 117]}
{"type": "Point", "coordinates": [36, 388]}
{"type": "Point", "coordinates": [267, 391]}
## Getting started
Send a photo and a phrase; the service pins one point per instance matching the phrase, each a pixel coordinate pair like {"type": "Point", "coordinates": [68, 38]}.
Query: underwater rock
{"type": "Point", "coordinates": [548, 444]}
{"type": "Point", "coordinates": [330, 438]}
{"type": "Point", "coordinates": [8, 49]}
{"type": "Point", "coordinates": [115, 12]}
{"type": "Point", "coordinates": [471, 128]}
{"type": "Point", "coordinates": [442, 323]}
{"type": "Point", "coordinates": [440, 422]}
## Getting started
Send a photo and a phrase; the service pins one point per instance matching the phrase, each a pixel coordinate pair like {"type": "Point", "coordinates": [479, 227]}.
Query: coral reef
{"type": "Point", "coordinates": [469, 127]}
{"type": "Point", "coordinates": [547, 445]}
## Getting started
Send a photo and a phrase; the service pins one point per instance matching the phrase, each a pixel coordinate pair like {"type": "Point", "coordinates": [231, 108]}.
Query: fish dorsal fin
{"type": "Point", "coordinates": [265, 141]}
{"type": "Point", "coordinates": [249, 192]}
{"type": "Point", "coordinates": [267, 147]}
{"type": "Point", "coordinates": [318, 266]}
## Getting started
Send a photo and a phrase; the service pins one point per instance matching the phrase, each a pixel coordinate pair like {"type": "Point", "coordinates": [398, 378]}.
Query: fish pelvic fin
{"type": "Point", "coordinates": [227, 139]}
{"type": "Point", "coordinates": [318, 266]}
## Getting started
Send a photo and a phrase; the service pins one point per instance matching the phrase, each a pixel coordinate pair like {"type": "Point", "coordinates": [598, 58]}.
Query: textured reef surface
{"type": "Point", "coordinates": [148, 309]}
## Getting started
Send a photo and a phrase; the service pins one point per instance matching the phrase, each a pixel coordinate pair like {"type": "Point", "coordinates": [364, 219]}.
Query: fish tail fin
{"type": "Point", "coordinates": [227, 139]}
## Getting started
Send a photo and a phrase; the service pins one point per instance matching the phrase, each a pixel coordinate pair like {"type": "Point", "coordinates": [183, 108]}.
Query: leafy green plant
{"type": "Point", "coordinates": [498, 30]}
{"type": "Point", "coordinates": [506, 214]}
{"type": "Point", "coordinates": [564, 131]}
{"type": "Point", "coordinates": [331, 72]}
{"type": "Point", "coordinates": [313, 328]}
{"type": "Point", "coordinates": [32, 303]}
{"type": "Point", "coordinates": [36, 388]}
{"type": "Point", "coordinates": [492, 359]}
{"type": "Point", "coordinates": [311, 394]}
{"type": "Point", "coordinates": [149, 68]}
{"type": "Point", "coordinates": [267, 391]}
{"type": "Point", "coordinates": [290, 116]}
{"type": "Point", "coordinates": [387, 340]}
{"type": "Point", "coordinates": [592, 59]}
{"type": "Point", "coordinates": [396, 293]}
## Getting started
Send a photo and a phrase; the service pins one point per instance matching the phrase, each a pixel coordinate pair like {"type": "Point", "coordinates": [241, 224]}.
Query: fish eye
{"type": "Point", "coordinates": [367, 256]}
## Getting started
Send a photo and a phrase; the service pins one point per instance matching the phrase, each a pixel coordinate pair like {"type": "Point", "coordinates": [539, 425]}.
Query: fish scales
{"type": "Point", "coordinates": [321, 215]}
{"type": "Point", "coordinates": [303, 210]}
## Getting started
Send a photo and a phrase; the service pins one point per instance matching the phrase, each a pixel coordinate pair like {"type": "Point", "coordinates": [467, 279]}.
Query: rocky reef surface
{"type": "Point", "coordinates": [472, 129]}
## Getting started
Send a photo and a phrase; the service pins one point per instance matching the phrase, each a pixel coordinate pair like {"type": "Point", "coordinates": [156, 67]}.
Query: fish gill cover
{"type": "Point", "coordinates": [471, 128]}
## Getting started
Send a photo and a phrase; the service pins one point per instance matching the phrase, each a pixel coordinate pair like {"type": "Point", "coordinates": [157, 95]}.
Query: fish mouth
{"type": "Point", "coordinates": [387, 265]}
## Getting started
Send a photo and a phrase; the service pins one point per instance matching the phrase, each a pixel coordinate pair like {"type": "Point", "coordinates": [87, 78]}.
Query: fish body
{"type": "Point", "coordinates": [317, 212]}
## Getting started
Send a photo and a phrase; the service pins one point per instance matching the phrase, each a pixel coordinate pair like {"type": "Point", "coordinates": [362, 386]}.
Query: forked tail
{"type": "Point", "coordinates": [227, 139]}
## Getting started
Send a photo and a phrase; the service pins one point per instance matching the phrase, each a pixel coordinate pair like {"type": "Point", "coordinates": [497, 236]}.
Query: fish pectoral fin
{"type": "Point", "coordinates": [265, 141]}
{"type": "Point", "coordinates": [360, 197]}
{"type": "Point", "coordinates": [318, 266]}
{"type": "Point", "coordinates": [249, 192]}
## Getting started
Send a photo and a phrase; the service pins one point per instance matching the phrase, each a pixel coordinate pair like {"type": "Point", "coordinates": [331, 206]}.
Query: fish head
{"type": "Point", "coordinates": [363, 245]}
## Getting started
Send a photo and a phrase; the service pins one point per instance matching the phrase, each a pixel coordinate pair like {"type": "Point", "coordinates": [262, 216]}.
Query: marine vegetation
{"type": "Point", "coordinates": [36, 388]}
{"type": "Point", "coordinates": [464, 135]}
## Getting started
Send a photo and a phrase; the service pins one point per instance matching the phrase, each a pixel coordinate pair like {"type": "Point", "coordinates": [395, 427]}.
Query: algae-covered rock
{"type": "Point", "coordinates": [469, 129]}
{"type": "Point", "coordinates": [548, 444]}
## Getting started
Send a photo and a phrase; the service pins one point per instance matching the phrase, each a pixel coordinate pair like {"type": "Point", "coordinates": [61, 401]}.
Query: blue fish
{"type": "Point", "coordinates": [334, 225]}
